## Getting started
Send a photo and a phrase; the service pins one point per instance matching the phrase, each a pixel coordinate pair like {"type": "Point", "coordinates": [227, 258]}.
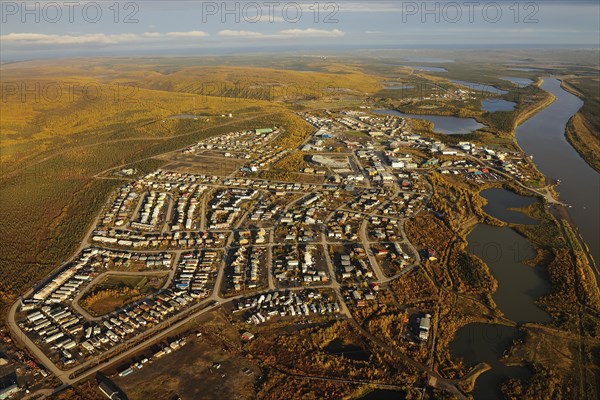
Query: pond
{"type": "Point", "coordinates": [499, 204]}
{"type": "Point", "coordinates": [442, 124]}
{"type": "Point", "coordinates": [478, 342]}
{"type": "Point", "coordinates": [347, 350]}
{"type": "Point", "coordinates": [519, 285]}
{"type": "Point", "coordinates": [493, 105]}
{"type": "Point", "coordinates": [384, 394]}
{"type": "Point", "coordinates": [520, 82]}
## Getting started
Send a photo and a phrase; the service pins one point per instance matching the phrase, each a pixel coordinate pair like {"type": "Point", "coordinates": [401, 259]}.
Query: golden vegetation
{"type": "Point", "coordinates": [114, 292]}
{"type": "Point", "coordinates": [583, 129]}
{"type": "Point", "coordinates": [104, 301]}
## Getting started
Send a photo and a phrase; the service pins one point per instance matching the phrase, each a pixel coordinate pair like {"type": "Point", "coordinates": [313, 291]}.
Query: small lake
{"type": "Point", "coordinates": [442, 124]}
{"type": "Point", "coordinates": [520, 82]}
{"type": "Point", "coordinates": [499, 202]}
{"type": "Point", "coordinates": [519, 285]}
{"type": "Point", "coordinates": [523, 69]}
{"type": "Point", "coordinates": [480, 87]}
{"type": "Point", "coordinates": [186, 116]}
{"type": "Point", "coordinates": [427, 68]}
{"type": "Point", "coordinates": [478, 342]}
{"type": "Point", "coordinates": [493, 105]}
{"type": "Point", "coordinates": [433, 60]}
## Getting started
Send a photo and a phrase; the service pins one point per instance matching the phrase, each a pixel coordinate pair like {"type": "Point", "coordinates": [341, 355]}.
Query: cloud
{"type": "Point", "coordinates": [188, 34]}
{"type": "Point", "coordinates": [92, 38]}
{"type": "Point", "coordinates": [232, 33]}
{"type": "Point", "coordinates": [115, 39]}
{"type": "Point", "coordinates": [285, 34]}
{"type": "Point", "coordinates": [312, 32]}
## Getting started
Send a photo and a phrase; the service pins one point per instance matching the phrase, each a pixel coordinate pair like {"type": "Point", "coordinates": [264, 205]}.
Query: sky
{"type": "Point", "coordinates": [41, 29]}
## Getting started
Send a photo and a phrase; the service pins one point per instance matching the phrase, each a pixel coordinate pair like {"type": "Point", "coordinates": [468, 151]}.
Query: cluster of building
{"type": "Point", "coordinates": [369, 124]}
{"type": "Point", "coordinates": [353, 266]}
{"type": "Point", "coordinates": [152, 209]}
{"type": "Point", "coordinates": [360, 295]}
{"type": "Point", "coordinates": [225, 207]}
{"type": "Point", "coordinates": [254, 146]}
{"type": "Point", "coordinates": [260, 308]}
{"type": "Point", "coordinates": [296, 265]}
{"type": "Point", "coordinates": [404, 205]}
{"type": "Point", "coordinates": [186, 213]}
{"type": "Point", "coordinates": [383, 228]}
{"type": "Point", "coordinates": [367, 201]}
{"type": "Point", "coordinates": [120, 210]}
{"type": "Point", "coordinates": [264, 212]}
{"type": "Point", "coordinates": [155, 241]}
{"type": "Point", "coordinates": [67, 282]}
{"type": "Point", "coordinates": [132, 319]}
{"type": "Point", "coordinates": [18, 370]}
{"type": "Point", "coordinates": [241, 141]}
{"type": "Point", "coordinates": [186, 224]}
{"type": "Point", "coordinates": [246, 265]}
{"type": "Point", "coordinates": [317, 140]}
{"type": "Point", "coordinates": [56, 326]}
{"type": "Point", "coordinates": [50, 319]}
{"type": "Point", "coordinates": [196, 271]}
{"type": "Point", "coordinates": [392, 257]}
{"type": "Point", "coordinates": [344, 225]}
{"type": "Point", "coordinates": [309, 210]}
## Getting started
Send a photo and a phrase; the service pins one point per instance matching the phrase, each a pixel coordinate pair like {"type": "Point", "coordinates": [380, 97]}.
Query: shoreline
{"type": "Point", "coordinates": [572, 133]}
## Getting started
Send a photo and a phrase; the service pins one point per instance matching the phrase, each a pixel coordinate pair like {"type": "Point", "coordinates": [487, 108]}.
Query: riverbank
{"type": "Point", "coordinates": [521, 117]}
{"type": "Point", "coordinates": [580, 131]}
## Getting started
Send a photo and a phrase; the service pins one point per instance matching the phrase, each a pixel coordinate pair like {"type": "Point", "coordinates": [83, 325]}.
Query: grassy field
{"type": "Point", "coordinates": [115, 291]}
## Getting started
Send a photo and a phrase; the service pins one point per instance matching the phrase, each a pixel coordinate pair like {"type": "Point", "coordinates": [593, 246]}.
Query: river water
{"type": "Point", "coordinates": [543, 136]}
{"type": "Point", "coordinates": [505, 251]}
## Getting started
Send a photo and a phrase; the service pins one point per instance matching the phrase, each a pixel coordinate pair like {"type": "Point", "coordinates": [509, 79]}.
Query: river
{"type": "Point", "coordinates": [505, 251]}
{"type": "Point", "coordinates": [543, 136]}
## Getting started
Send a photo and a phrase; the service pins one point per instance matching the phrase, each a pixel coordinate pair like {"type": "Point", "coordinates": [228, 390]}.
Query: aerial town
{"type": "Point", "coordinates": [263, 200]}
{"type": "Point", "coordinates": [185, 243]}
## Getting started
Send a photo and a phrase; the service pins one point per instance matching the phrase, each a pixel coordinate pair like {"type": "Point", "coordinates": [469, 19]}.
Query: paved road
{"type": "Point", "coordinates": [335, 285]}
